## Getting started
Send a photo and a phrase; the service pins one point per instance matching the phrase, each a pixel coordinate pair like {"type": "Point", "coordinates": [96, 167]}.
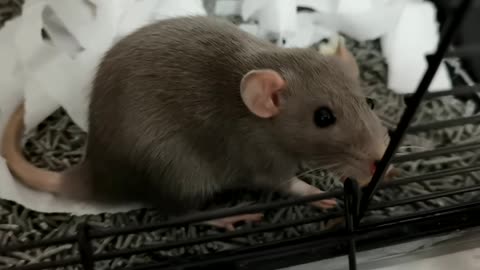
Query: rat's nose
{"type": "Point", "coordinates": [373, 166]}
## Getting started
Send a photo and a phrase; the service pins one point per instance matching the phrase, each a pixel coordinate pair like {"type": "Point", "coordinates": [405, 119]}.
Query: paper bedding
{"type": "Point", "coordinates": [57, 72]}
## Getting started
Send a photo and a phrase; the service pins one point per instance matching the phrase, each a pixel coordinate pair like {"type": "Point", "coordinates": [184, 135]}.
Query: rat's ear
{"type": "Point", "coordinates": [346, 56]}
{"type": "Point", "coordinates": [260, 91]}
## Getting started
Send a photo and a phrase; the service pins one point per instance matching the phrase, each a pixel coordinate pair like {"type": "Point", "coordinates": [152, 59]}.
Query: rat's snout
{"type": "Point", "coordinates": [390, 171]}
{"type": "Point", "coordinates": [373, 166]}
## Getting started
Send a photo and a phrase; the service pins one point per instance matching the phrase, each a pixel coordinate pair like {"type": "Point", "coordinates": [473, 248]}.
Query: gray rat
{"type": "Point", "coordinates": [185, 108]}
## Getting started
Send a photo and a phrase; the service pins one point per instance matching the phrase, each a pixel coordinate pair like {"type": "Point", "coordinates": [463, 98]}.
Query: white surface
{"type": "Point", "coordinates": [49, 74]}
{"type": "Point", "coordinates": [457, 250]}
{"type": "Point", "coordinates": [463, 260]}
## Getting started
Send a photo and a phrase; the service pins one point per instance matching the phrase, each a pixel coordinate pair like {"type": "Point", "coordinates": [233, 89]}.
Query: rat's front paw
{"type": "Point", "coordinates": [325, 204]}
{"type": "Point", "coordinates": [228, 223]}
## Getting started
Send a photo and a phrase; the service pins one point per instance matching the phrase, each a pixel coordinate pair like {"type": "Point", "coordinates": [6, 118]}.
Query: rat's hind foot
{"type": "Point", "coordinates": [228, 223]}
{"type": "Point", "coordinates": [299, 188]}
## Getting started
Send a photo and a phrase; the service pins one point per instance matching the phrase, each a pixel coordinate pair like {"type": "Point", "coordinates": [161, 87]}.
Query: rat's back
{"type": "Point", "coordinates": [159, 105]}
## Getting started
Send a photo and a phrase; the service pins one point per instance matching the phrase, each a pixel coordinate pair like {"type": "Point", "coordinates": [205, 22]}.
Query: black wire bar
{"type": "Point", "coordinates": [463, 90]}
{"type": "Point", "coordinates": [402, 219]}
{"type": "Point", "coordinates": [434, 61]}
{"type": "Point", "coordinates": [351, 202]}
{"type": "Point", "coordinates": [437, 152]}
{"type": "Point", "coordinates": [181, 221]}
{"type": "Point", "coordinates": [314, 247]}
{"type": "Point", "coordinates": [423, 198]}
{"type": "Point", "coordinates": [329, 244]}
{"type": "Point", "coordinates": [474, 119]}
{"type": "Point", "coordinates": [463, 51]}
{"type": "Point", "coordinates": [163, 246]}
{"type": "Point", "coordinates": [433, 175]}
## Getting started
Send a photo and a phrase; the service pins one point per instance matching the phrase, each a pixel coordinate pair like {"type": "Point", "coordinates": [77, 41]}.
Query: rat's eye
{"type": "Point", "coordinates": [371, 103]}
{"type": "Point", "coordinates": [323, 117]}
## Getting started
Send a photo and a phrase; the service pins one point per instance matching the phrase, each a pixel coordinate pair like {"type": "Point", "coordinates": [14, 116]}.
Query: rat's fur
{"type": "Point", "coordinates": [167, 124]}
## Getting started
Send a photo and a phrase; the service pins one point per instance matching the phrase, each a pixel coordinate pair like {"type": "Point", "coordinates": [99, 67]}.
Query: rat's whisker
{"type": "Point", "coordinates": [412, 147]}
{"type": "Point", "coordinates": [405, 149]}
{"type": "Point", "coordinates": [308, 172]}
{"type": "Point", "coordinates": [320, 168]}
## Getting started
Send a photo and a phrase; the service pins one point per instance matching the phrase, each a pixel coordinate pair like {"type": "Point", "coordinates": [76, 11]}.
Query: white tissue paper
{"type": "Point", "coordinates": [277, 19]}
{"type": "Point", "coordinates": [58, 72]}
{"type": "Point", "coordinates": [311, 32]}
{"type": "Point", "coordinates": [228, 7]}
{"type": "Point", "coordinates": [135, 18]}
{"type": "Point", "coordinates": [47, 203]}
{"type": "Point", "coordinates": [368, 23]}
{"type": "Point", "coordinates": [251, 28]}
{"type": "Point", "coordinates": [175, 8]}
{"type": "Point", "coordinates": [10, 88]}
{"type": "Point", "coordinates": [406, 46]}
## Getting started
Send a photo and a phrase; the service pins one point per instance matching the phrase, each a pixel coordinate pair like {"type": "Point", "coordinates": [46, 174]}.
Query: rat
{"type": "Point", "coordinates": [187, 107]}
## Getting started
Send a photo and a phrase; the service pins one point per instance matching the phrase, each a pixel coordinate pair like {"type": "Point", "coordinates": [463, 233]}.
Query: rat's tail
{"type": "Point", "coordinates": [21, 168]}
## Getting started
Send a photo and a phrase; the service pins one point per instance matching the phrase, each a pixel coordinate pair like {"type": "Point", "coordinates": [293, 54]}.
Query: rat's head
{"type": "Point", "coordinates": [317, 111]}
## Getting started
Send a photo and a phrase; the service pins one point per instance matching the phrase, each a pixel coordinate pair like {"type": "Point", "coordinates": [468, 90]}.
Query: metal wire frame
{"type": "Point", "coordinates": [317, 246]}
{"type": "Point", "coordinates": [434, 62]}
{"type": "Point", "coordinates": [355, 236]}
{"type": "Point", "coordinates": [312, 247]}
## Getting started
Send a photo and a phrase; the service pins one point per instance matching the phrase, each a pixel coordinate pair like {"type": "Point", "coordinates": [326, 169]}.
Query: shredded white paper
{"type": "Point", "coordinates": [58, 72]}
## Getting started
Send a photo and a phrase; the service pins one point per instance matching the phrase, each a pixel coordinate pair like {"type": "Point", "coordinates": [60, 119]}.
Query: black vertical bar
{"type": "Point", "coordinates": [84, 246]}
{"type": "Point", "coordinates": [351, 202]}
{"type": "Point", "coordinates": [434, 62]}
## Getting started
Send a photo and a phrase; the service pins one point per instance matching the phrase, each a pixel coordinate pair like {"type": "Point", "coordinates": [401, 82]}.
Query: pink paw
{"type": "Point", "coordinates": [325, 204]}
{"type": "Point", "coordinates": [228, 223]}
